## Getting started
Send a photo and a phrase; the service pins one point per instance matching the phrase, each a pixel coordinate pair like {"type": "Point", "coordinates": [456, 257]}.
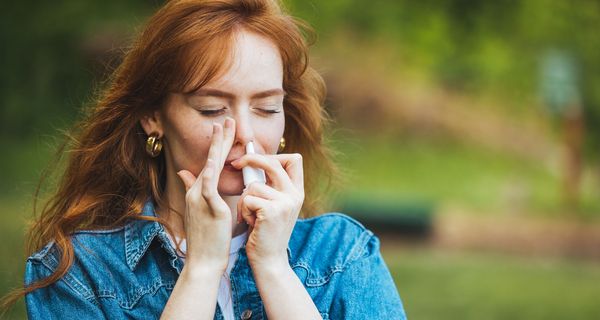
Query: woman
{"type": "Point", "coordinates": [152, 218]}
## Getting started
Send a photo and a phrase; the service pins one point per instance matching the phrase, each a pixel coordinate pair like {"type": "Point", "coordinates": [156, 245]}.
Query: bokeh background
{"type": "Point", "coordinates": [469, 132]}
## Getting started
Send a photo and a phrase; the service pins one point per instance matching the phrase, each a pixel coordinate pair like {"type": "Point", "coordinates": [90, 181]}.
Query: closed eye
{"type": "Point", "coordinates": [270, 110]}
{"type": "Point", "coordinates": [212, 112]}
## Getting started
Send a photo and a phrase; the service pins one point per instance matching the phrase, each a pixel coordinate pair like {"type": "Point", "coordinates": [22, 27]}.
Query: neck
{"type": "Point", "coordinates": [175, 199]}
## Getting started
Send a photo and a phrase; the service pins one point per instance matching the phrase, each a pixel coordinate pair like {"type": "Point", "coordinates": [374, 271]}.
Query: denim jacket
{"type": "Point", "coordinates": [129, 273]}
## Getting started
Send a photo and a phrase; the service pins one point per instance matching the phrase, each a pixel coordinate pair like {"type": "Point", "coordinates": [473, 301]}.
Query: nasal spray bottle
{"type": "Point", "coordinates": [252, 174]}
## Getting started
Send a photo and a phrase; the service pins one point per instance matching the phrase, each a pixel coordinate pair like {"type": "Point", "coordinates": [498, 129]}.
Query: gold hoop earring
{"type": "Point", "coordinates": [281, 144]}
{"type": "Point", "coordinates": [153, 145]}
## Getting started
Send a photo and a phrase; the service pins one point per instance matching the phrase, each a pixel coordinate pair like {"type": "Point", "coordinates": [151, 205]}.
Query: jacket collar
{"type": "Point", "coordinates": [139, 234]}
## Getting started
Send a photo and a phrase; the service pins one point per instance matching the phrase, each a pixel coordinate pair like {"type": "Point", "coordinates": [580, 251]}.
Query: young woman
{"type": "Point", "coordinates": [152, 219]}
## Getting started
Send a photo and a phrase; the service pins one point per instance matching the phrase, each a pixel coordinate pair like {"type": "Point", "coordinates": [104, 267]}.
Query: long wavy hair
{"type": "Point", "coordinates": [108, 175]}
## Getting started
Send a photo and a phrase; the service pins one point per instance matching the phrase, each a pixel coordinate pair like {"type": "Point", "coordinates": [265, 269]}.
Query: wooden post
{"type": "Point", "coordinates": [573, 126]}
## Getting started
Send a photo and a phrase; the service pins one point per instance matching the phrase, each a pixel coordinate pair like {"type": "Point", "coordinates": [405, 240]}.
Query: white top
{"type": "Point", "coordinates": [224, 295]}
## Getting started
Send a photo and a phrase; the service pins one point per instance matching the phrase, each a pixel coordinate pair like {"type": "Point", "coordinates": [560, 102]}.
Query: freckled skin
{"type": "Point", "coordinates": [187, 134]}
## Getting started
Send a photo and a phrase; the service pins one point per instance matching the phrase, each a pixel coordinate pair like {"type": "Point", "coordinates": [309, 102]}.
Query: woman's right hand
{"type": "Point", "coordinates": [207, 218]}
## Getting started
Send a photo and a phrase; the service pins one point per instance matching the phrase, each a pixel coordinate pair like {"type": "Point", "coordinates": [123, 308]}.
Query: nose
{"type": "Point", "coordinates": [244, 132]}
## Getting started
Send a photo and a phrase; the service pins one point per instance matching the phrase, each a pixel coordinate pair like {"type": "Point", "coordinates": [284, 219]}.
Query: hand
{"type": "Point", "coordinates": [271, 209]}
{"type": "Point", "coordinates": [207, 218]}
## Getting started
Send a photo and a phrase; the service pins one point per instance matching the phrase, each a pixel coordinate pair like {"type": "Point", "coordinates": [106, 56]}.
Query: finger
{"type": "Point", "coordinates": [214, 152]}
{"type": "Point", "coordinates": [228, 137]}
{"type": "Point", "coordinates": [209, 193]}
{"type": "Point", "coordinates": [251, 205]}
{"type": "Point", "coordinates": [244, 213]}
{"type": "Point", "coordinates": [262, 190]}
{"type": "Point", "coordinates": [256, 189]}
{"type": "Point", "coordinates": [272, 167]}
{"type": "Point", "coordinates": [293, 165]}
{"type": "Point", "coordinates": [187, 178]}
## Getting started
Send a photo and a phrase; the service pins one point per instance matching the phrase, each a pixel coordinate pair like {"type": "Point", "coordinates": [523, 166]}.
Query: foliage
{"type": "Point", "coordinates": [478, 47]}
{"type": "Point", "coordinates": [50, 58]}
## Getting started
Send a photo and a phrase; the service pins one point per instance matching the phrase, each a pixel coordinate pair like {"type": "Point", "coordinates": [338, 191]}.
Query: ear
{"type": "Point", "coordinates": [152, 122]}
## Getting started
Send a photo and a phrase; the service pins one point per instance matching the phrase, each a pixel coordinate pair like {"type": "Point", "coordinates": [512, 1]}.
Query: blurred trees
{"type": "Point", "coordinates": [50, 50]}
{"type": "Point", "coordinates": [51, 54]}
{"type": "Point", "coordinates": [477, 47]}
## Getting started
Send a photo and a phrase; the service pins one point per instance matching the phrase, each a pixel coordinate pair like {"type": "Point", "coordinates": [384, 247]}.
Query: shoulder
{"type": "Point", "coordinates": [110, 270]}
{"type": "Point", "coordinates": [339, 260]}
{"type": "Point", "coordinates": [92, 250]}
{"type": "Point", "coordinates": [333, 226]}
{"type": "Point", "coordinates": [84, 243]}
{"type": "Point", "coordinates": [329, 243]}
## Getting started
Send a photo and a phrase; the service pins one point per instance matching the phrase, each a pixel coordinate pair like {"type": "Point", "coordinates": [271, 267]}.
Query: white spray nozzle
{"type": "Point", "coordinates": [251, 174]}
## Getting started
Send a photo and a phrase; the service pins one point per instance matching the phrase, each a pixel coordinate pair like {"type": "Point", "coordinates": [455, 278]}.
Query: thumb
{"type": "Point", "coordinates": [187, 178]}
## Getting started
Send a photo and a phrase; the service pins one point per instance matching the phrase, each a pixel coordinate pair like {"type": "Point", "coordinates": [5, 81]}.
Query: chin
{"type": "Point", "coordinates": [231, 184]}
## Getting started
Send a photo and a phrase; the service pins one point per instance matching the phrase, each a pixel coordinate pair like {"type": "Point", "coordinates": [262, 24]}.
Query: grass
{"type": "Point", "coordinates": [13, 214]}
{"type": "Point", "coordinates": [23, 165]}
{"type": "Point", "coordinates": [443, 285]}
{"type": "Point", "coordinates": [440, 172]}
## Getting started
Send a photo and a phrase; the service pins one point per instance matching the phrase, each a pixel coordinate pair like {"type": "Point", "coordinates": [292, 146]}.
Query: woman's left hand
{"type": "Point", "coordinates": [271, 209]}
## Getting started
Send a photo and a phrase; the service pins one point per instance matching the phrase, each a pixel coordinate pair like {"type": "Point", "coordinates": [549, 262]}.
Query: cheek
{"type": "Point", "coordinates": [270, 134]}
{"type": "Point", "coordinates": [192, 149]}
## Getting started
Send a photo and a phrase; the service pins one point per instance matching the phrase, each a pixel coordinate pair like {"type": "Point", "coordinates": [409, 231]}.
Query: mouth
{"type": "Point", "coordinates": [227, 166]}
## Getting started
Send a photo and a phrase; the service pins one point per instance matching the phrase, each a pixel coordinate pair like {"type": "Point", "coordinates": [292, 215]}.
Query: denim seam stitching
{"type": "Point", "coordinates": [134, 254]}
{"type": "Point", "coordinates": [118, 229]}
{"type": "Point", "coordinates": [359, 249]}
{"type": "Point", "coordinates": [337, 214]}
{"type": "Point", "coordinates": [137, 295]}
{"type": "Point", "coordinates": [314, 281]}
{"type": "Point", "coordinates": [43, 252]}
{"type": "Point", "coordinates": [71, 281]}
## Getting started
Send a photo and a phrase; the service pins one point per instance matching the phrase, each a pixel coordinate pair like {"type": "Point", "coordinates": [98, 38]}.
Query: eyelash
{"type": "Point", "coordinates": [211, 113]}
{"type": "Point", "coordinates": [218, 112]}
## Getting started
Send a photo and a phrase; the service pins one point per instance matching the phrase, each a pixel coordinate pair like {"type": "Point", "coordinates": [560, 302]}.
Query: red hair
{"type": "Point", "coordinates": [108, 175]}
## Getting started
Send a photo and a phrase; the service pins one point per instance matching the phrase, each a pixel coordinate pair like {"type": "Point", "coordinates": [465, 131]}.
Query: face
{"type": "Point", "coordinates": [250, 92]}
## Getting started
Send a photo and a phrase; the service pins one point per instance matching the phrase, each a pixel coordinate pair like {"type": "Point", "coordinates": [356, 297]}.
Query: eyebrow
{"type": "Point", "coordinates": [207, 92]}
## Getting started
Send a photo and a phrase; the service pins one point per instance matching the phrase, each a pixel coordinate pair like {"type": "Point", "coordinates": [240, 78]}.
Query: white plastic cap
{"type": "Point", "coordinates": [252, 174]}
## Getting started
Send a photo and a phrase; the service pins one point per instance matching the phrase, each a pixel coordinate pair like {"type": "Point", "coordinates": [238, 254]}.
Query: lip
{"type": "Point", "coordinates": [232, 158]}
{"type": "Point", "coordinates": [229, 167]}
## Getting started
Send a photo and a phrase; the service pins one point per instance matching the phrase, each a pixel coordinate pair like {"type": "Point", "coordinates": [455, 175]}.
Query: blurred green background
{"type": "Point", "coordinates": [483, 115]}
